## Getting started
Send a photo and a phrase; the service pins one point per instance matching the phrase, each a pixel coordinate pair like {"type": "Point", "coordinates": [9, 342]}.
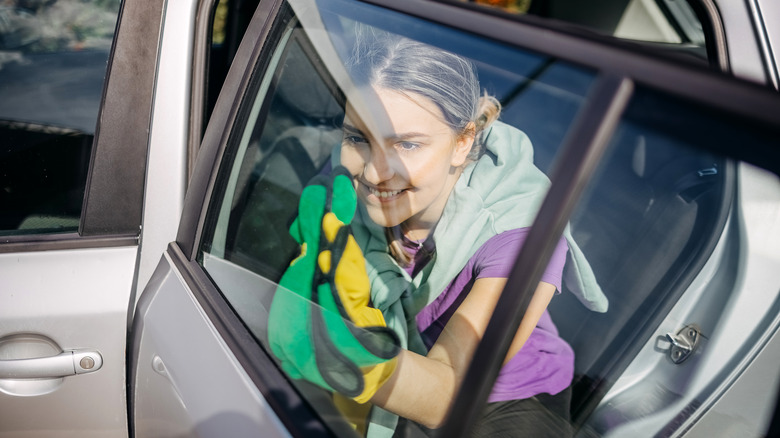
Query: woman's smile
{"type": "Point", "coordinates": [382, 194]}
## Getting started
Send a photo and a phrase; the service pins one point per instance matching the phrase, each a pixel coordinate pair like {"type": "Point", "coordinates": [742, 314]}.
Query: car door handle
{"type": "Point", "coordinates": [67, 363]}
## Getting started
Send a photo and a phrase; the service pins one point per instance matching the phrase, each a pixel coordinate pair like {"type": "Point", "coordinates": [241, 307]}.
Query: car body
{"type": "Point", "coordinates": [149, 279]}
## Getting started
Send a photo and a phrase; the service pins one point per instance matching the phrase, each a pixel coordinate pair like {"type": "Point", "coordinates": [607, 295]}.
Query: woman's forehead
{"type": "Point", "coordinates": [388, 113]}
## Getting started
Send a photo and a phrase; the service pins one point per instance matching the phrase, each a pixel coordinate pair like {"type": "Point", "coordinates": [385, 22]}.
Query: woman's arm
{"type": "Point", "coordinates": [422, 388]}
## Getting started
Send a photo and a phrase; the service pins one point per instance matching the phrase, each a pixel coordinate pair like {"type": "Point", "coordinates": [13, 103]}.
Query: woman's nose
{"type": "Point", "coordinates": [378, 167]}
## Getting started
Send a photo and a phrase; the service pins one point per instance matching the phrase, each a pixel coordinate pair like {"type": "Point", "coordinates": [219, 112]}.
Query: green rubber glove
{"type": "Point", "coordinates": [321, 326]}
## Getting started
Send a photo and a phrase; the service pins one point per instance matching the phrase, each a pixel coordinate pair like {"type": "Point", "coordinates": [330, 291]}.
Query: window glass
{"type": "Point", "coordinates": [671, 24]}
{"type": "Point", "coordinates": [53, 57]}
{"type": "Point", "coordinates": [293, 123]}
{"type": "Point", "coordinates": [229, 21]}
{"type": "Point", "coordinates": [655, 218]}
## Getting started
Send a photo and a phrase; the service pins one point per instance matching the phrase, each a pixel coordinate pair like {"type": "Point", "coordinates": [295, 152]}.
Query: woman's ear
{"type": "Point", "coordinates": [463, 144]}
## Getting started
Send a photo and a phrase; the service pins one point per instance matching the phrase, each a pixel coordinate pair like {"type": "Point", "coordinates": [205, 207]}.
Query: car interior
{"type": "Point", "coordinates": [43, 173]}
{"type": "Point", "coordinates": [648, 223]}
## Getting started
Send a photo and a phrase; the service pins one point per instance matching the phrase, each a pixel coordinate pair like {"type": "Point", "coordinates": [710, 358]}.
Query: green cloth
{"type": "Point", "coordinates": [499, 192]}
{"type": "Point", "coordinates": [326, 346]}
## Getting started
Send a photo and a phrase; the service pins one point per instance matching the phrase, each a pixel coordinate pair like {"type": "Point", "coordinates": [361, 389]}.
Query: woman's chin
{"type": "Point", "coordinates": [385, 218]}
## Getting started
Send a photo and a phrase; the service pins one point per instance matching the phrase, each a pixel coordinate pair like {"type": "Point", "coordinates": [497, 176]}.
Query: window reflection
{"type": "Point", "coordinates": [53, 58]}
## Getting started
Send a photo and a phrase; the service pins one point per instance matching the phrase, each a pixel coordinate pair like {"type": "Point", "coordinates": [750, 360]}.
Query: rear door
{"type": "Point", "coordinates": [76, 89]}
{"type": "Point", "coordinates": [655, 166]}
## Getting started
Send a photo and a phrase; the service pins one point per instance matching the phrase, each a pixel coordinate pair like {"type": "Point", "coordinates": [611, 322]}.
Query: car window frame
{"type": "Point", "coordinates": [619, 70]}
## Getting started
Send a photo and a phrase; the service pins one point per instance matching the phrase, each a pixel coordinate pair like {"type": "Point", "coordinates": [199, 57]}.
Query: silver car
{"type": "Point", "coordinates": [152, 155]}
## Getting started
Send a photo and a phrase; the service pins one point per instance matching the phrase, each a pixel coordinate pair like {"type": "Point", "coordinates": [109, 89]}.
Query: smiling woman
{"type": "Point", "coordinates": [422, 124]}
{"type": "Point", "coordinates": [446, 196]}
{"type": "Point", "coordinates": [439, 200]}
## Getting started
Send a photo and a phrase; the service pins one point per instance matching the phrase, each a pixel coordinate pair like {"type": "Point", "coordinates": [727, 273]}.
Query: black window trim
{"type": "Point", "coordinates": [113, 201]}
{"type": "Point", "coordinates": [61, 241]}
{"type": "Point", "coordinates": [712, 24]}
{"type": "Point", "coordinates": [617, 66]}
{"type": "Point", "coordinates": [204, 18]}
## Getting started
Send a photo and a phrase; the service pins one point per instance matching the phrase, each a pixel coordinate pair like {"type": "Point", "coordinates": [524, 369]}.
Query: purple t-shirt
{"type": "Point", "coordinates": [545, 364]}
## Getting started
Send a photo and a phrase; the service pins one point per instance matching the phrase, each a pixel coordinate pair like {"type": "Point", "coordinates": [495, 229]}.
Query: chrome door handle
{"type": "Point", "coordinates": [67, 363]}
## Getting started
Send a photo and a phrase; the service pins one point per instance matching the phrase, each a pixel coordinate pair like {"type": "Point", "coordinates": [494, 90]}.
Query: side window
{"type": "Point", "coordinates": [53, 59]}
{"type": "Point", "coordinates": [668, 24]}
{"type": "Point", "coordinates": [658, 227]}
{"type": "Point", "coordinates": [291, 125]}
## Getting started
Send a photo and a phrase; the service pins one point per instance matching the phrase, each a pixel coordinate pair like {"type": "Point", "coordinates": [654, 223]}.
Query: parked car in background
{"type": "Point", "coordinates": [152, 155]}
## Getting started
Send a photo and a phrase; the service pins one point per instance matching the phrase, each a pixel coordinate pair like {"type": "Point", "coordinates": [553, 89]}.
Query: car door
{"type": "Point", "coordinates": [76, 98]}
{"type": "Point", "coordinates": [656, 169]}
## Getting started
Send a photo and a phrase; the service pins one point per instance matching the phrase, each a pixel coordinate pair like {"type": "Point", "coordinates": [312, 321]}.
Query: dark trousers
{"type": "Point", "coordinates": [541, 416]}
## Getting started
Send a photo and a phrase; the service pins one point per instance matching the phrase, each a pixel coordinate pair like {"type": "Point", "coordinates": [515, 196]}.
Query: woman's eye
{"type": "Point", "coordinates": [408, 146]}
{"type": "Point", "coordinates": [354, 139]}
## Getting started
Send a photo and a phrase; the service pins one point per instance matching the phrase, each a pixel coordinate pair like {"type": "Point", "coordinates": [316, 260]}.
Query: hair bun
{"type": "Point", "coordinates": [488, 110]}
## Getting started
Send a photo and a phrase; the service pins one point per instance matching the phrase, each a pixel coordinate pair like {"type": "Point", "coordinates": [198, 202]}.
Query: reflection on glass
{"type": "Point", "coordinates": [53, 57]}
{"type": "Point", "coordinates": [669, 24]}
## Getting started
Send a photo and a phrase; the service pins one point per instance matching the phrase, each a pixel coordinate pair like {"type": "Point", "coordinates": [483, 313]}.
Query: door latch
{"type": "Point", "coordinates": [683, 343]}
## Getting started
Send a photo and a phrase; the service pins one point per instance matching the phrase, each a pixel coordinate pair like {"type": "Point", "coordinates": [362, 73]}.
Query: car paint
{"type": "Point", "coordinates": [76, 299]}
{"type": "Point", "coordinates": [168, 137]}
{"type": "Point", "coordinates": [171, 395]}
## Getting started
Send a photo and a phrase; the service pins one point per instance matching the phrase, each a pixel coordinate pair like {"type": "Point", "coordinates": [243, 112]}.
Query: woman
{"type": "Point", "coordinates": [455, 192]}
{"type": "Point", "coordinates": [447, 195]}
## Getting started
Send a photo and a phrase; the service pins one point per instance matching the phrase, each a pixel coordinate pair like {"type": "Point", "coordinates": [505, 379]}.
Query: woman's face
{"type": "Point", "coordinates": [405, 170]}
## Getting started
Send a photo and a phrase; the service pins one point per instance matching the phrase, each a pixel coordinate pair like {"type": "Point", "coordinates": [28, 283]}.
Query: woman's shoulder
{"type": "Point", "coordinates": [500, 251]}
{"type": "Point", "coordinates": [496, 257]}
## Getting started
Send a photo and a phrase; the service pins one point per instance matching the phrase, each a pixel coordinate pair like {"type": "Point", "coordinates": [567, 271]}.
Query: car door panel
{"type": "Point", "coordinates": [65, 300]}
{"type": "Point", "coordinates": [186, 380]}
{"type": "Point", "coordinates": [70, 289]}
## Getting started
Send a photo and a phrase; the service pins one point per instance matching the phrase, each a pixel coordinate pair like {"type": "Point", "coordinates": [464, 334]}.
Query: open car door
{"type": "Point", "coordinates": [665, 172]}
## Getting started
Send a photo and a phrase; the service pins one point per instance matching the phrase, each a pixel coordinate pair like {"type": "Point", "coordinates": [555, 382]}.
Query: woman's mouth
{"type": "Point", "coordinates": [381, 194]}
{"type": "Point", "coordinates": [384, 193]}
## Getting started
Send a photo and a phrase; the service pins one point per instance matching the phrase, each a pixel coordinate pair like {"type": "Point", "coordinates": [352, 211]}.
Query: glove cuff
{"type": "Point", "coordinates": [374, 377]}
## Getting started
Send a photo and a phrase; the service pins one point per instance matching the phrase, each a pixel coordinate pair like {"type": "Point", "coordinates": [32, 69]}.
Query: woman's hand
{"type": "Point", "coordinates": [424, 387]}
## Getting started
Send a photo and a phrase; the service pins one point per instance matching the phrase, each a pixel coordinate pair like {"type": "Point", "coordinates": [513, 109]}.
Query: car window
{"type": "Point", "coordinates": [672, 25]}
{"type": "Point", "coordinates": [53, 58]}
{"type": "Point", "coordinates": [655, 229]}
{"type": "Point", "coordinates": [293, 122]}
